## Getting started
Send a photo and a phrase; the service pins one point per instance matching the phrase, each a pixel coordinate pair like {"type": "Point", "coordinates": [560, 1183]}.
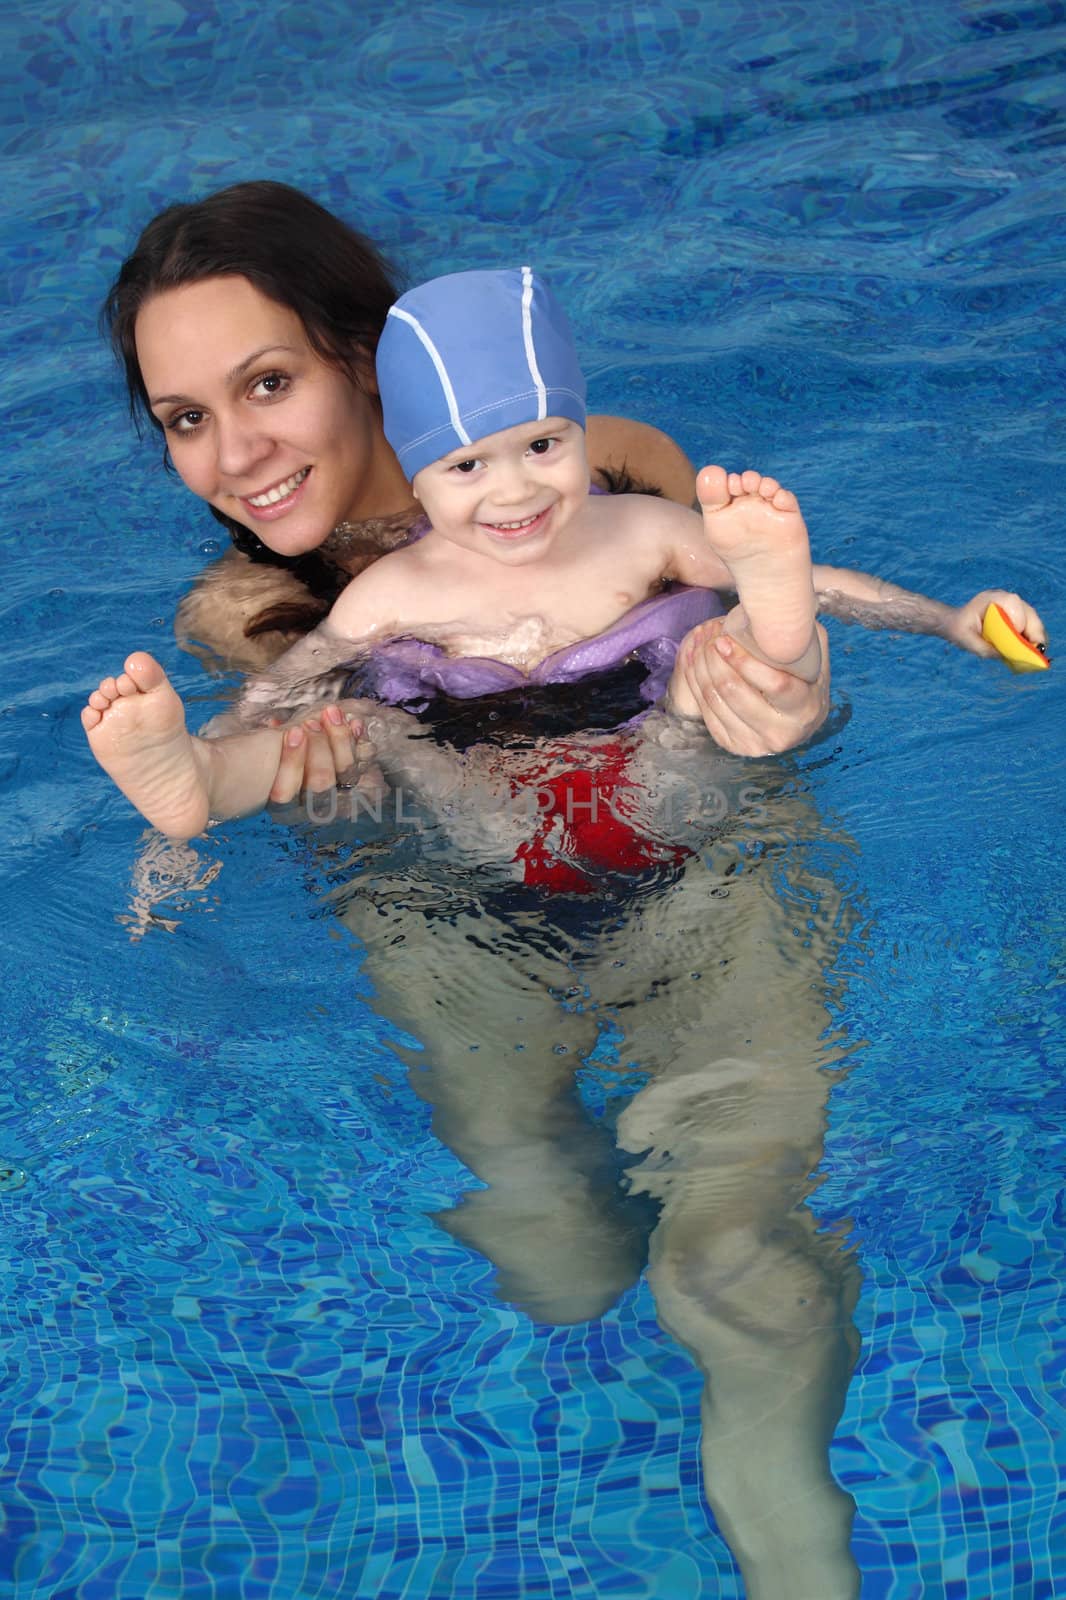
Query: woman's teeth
{"type": "Point", "coordinates": [280, 491]}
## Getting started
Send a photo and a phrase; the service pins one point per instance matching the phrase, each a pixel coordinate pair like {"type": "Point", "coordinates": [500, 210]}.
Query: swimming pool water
{"type": "Point", "coordinates": [239, 1357]}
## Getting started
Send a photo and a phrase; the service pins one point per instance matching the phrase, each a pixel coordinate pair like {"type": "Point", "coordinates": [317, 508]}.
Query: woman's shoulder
{"type": "Point", "coordinates": [225, 598]}
{"type": "Point", "coordinates": [643, 457]}
{"type": "Point", "coordinates": [243, 614]}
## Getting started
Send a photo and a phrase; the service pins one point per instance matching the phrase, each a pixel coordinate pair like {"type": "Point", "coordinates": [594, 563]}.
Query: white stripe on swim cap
{"type": "Point", "coordinates": [442, 371]}
{"type": "Point", "coordinates": [527, 335]}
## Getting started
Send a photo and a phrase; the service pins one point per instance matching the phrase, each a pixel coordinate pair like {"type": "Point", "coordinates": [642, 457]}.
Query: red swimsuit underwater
{"type": "Point", "coordinates": [582, 819]}
{"type": "Point", "coordinates": [582, 792]}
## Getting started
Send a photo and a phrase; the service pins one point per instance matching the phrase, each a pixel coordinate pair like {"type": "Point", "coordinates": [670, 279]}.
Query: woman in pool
{"type": "Point", "coordinates": [717, 1001]}
{"type": "Point", "coordinates": [247, 325]}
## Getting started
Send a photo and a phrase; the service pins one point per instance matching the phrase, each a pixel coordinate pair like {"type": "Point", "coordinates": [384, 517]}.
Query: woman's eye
{"type": "Point", "coordinates": [270, 383]}
{"type": "Point", "coordinates": [185, 422]}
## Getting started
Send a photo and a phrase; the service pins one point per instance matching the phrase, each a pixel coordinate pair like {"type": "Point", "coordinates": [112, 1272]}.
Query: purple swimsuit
{"type": "Point", "coordinates": [411, 672]}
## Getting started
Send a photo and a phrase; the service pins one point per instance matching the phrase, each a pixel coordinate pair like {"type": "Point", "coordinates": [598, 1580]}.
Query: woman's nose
{"type": "Point", "coordinates": [242, 445]}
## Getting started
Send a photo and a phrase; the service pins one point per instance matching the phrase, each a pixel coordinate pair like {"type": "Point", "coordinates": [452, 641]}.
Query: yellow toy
{"type": "Point", "coordinates": [1017, 651]}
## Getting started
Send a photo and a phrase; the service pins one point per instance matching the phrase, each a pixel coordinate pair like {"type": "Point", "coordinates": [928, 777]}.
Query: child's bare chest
{"type": "Point", "coordinates": [528, 615]}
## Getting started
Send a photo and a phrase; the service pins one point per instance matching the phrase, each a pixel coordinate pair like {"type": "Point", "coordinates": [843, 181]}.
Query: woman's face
{"type": "Point", "coordinates": [257, 424]}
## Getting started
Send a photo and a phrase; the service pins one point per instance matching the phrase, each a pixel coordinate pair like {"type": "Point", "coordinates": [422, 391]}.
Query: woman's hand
{"type": "Point", "coordinates": [328, 750]}
{"type": "Point", "coordinates": [964, 624]}
{"type": "Point", "coordinates": [747, 706]}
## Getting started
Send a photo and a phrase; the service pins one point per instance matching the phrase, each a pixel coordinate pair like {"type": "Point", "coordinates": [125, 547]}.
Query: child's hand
{"type": "Point", "coordinates": [964, 627]}
{"type": "Point", "coordinates": [327, 751]}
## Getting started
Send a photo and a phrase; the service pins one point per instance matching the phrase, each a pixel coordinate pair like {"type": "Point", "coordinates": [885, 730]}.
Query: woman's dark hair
{"type": "Point", "coordinates": [293, 251]}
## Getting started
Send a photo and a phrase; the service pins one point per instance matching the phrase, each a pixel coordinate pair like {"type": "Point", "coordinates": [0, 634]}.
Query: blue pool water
{"type": "Point", "coordinates": [240, 1359]}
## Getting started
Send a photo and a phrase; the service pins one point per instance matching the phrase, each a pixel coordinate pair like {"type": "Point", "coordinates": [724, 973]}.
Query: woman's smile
{"type": "Point", "coordinates": [257, 423]}
{"type": "Point", "coordinates": [279, 498]}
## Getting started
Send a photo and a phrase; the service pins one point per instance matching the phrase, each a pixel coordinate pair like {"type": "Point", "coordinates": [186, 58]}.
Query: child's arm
{"type": "Point", "coordinates": [674, 536]}
{"type": "Point", "coordinates": [874, 603]}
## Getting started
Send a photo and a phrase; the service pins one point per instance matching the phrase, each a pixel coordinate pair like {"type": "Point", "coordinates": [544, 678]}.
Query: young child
{"type": "Point", "coordinates": [519, 573]}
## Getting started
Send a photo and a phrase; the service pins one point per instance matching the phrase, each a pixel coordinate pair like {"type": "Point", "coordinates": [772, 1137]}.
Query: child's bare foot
{"type": "Point", "coordinates": [757, 529]}
{"type": "Point", "coordinates": [136, 728]}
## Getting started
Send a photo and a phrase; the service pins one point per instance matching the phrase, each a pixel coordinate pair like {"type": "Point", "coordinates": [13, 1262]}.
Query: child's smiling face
{"type": "Point", "coordinates": [510, 495]}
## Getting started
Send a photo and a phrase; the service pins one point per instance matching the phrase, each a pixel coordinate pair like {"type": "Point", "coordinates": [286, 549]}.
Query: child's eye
{"type": "Point", "coordinates": [540, 447]}
{"type": "Point", "coordinates": [464, 466]}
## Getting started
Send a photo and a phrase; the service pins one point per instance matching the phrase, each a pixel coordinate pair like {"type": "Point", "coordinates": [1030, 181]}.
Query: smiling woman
{"type": "Point", "coordinates": [257, 423]}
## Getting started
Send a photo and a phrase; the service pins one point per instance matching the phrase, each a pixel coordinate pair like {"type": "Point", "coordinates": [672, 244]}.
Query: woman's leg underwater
{"type": "Point", "coordinates": [720, 986]}
{"type": "Point", "coordinates": [492, 996]}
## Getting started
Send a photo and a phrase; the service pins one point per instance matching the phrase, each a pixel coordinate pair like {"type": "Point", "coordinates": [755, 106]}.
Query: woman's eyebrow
{"type": "Point", "coordinates": [249, 361]}
{"type": "Point", "coordinates": [231, 376]}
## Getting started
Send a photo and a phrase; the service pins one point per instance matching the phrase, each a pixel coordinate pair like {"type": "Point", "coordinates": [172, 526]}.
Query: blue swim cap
{"type": "Point", "coordinates": [466, 355]}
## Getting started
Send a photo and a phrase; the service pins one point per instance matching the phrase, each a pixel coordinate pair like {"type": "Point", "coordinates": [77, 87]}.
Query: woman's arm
{"type": "Point", "coordinates": [874, 603]}
{"type": "Point", "coordinates": [752, 709]}
{"type": "Point", "coordinates": [224, 598]}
